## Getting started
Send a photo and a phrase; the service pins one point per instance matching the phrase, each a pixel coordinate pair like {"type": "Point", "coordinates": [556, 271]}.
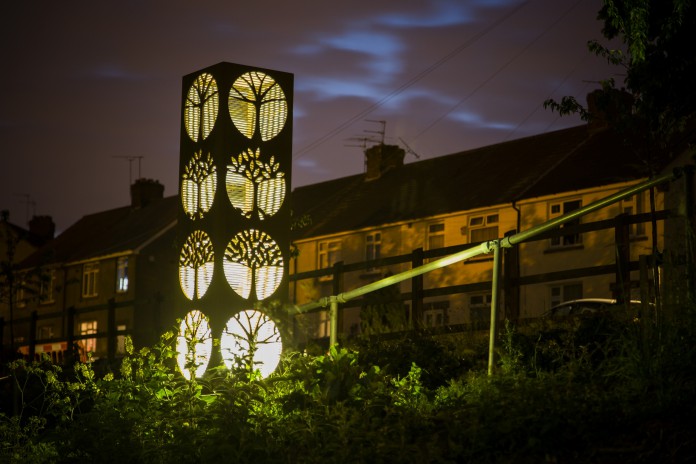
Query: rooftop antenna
{"type": "Point", "coordinates": [380, 132]}
{"type": "Point", "coordinates": [409, 149]}
{"type": "Point", "coordinates": [130, 166]}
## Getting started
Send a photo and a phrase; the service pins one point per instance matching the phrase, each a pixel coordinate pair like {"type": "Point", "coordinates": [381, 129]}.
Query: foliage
{"type": "Point", "coordinates": [590, 390]}
{"type": "Point", "coordinates": [655, 105]}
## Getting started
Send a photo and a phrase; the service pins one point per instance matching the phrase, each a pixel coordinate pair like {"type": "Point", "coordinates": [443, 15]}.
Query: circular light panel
{"type": "Point", "coordinates": [251, 340]}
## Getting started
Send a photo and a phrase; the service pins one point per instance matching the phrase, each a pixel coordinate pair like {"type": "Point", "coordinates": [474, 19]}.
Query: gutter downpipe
{"type": "Point", "coordinates": [482, 248]}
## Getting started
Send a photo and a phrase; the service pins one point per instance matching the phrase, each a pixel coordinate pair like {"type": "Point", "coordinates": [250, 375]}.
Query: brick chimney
{"type": "Point", "coordinates": [145, 191]}
{"type": "Point", "coordinates": [381, 158]}
{"type": "Point", "coordinates": [606, 107]}
{"type": "Point", "coordinates": [42, 227]}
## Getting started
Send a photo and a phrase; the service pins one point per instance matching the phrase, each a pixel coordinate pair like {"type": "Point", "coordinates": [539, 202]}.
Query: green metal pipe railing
{"type": "Point", "coordinates": [483, 248]}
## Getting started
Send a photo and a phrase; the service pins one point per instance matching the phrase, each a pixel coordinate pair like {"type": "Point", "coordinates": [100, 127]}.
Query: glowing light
{"type": "Point", "coordinates": [251, 340]}
{"type": "Point", "coordinates": [254, 184]}
{"type": "Point", "coordinates": [196, 265]}
{"type": "Point", "coordinates": [201, 107]}
{"type": "Point", "coordinates": [194, 345]}
{"type": "Point", "coordinates": [198, 183]}
{"type": "Point", "coordinates": [257, 102]}
{"type": "Point", "coordinates": [253, 260]}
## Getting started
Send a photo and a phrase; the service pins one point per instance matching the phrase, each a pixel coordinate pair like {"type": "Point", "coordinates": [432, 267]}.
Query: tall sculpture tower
{"type": "Point", "coordinates": [234, 221]}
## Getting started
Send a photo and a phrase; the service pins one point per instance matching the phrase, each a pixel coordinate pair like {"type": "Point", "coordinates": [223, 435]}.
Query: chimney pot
{"type": "Point", "coordinates": [145, 191]}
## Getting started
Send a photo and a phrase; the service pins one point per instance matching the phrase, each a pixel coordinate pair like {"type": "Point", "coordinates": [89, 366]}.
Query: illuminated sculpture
{"type": "Point", "coordinates": [236, 141]}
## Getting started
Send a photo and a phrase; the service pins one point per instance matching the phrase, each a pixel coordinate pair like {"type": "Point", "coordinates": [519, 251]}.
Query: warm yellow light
{"type": "Point", "coordinates": [194, 345]}
{"type": "Point", "coordinates": [252, 184]}
{"type": "Point", "coordinates": [201, 107]}
{"type": "Point", "coordinates": [257, 102]}
{"type": "Point", "coordinates": [198, 183]}
{"type": "Point", "coordinates": [196, 265]}
{"type": "Point", "coordinates": [251, 340]}
{"type": "Point", "coordinates": [253, 260]}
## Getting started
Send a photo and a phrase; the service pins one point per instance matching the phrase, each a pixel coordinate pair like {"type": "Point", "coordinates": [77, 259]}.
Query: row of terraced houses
{"type": "Point", "coordinates": [113, 273]}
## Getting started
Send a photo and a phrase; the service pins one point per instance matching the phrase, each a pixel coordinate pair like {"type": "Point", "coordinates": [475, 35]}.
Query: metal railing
{"type": "Point", "coordinates": [493, 246]}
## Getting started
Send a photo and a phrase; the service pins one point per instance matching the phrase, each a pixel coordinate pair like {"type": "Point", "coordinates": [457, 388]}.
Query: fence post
{"type": "Point", "coordinates": [70, 336]}
{"type": "Point", "coordinates": [111, 331]}
{"type": "Point", "coordinates": [32, 335]}
{"type": "Point", "coordinates": [622, 290]}
{"type": "Point", "coordinates": [511, 282]}
{"type": "Point", "coordinates": [336, 324]}
{"type": "Point", "coordinates": [416, 316]}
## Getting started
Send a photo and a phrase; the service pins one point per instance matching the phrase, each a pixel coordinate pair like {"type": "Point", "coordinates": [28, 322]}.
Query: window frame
{"type": "Point", "coordinates": [330, 255]}
{"type": "Point", "coordinates": [486, 220]}
{"type": "Point", "coordinates": [122, 281]}
{"type": "Point", "coordinates": [90, 280]}
{"type": "Point", "coordinates": [570, 240]}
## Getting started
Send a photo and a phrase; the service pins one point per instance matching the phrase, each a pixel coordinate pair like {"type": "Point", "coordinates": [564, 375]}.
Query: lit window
{"type": "Point", "coordinates": [48, 279]}
{"type": "Point", "coordinates": [256, 93]}
{"type": "Point", "coordinates": [194, 345]}
{"type": "Point", "coordinates": [436, 236]}
{"type": "Point", "coordinates": [563, 293]}
{"type": "Point", "coordinates": [483, 228]}
{"type": "Point", "coordinates": [121, 340]}
{"type": "Point", "coordinates": [201, 107]}
{"type": "Point", "coordinates": [558, 209]}
{"type": "Point", "coordinates": [122, 274]}
{"type": "Point", "coordinates": [329, 253]}
{"type": "Point", "coordinates": [90, 279]}
{"type": "Point", "coordinates": [253, 260]}
{"type": "Point", "coordinates": [373, 246]}
{"type": "Point", "coordinates": [254, 186]}
{"type": "Point", "coordinates": [89, 345]}
{"type": "Point", "coordinates": [198, 184]}
{"type": "Point", "coordinates": [196, 265]}
{"type": "Point", "coordinates": [251, 341]}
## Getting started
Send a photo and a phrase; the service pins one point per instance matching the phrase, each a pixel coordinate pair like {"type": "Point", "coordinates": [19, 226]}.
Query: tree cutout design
{"type": "Point", "coordinates": [201, 107]}
{"type": "Point", "coordinates": [251, 342]}
{"type": "Point", "coordinates": [196, 264]}
{"type": "Point", "coordinates": [253, 264]}
{"type": "Point", "coordinates": [257, 104]}
{"type": "Point", "coordinates": [255, 187]}
{"type": "Point", "coordinates": [198, 184]}
{"type": "Point", "coordinates": [194, 345]}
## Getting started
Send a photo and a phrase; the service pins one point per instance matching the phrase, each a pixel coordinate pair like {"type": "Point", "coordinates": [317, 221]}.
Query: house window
{"type": "Point", "coordinates": [480, 308]}
{"type": "Point", "coordinates": [48, 279]}
{"type": "Point", "coordinates": [558, 209]}
{"type": "Point", "coordinates": [121, 339]}
{"type": "Point", "coordinates": [436, 236]}
{"type": "Point", "coordinates": [88, 328]}
{"type": "Point", "coordinates": [45, 332]}
{"type": "Point", "coordinates": [20, 293]}
{"type": "Point", "coordinates": [329, 253]}
{"type": "Point", "coordinates": [567, 292]}
{"type": "Point", "coordinates": [90, 276]}
{"type": "Point", "coordinates": [635, 205]}
{"type": "Point", "coordinates": [122, 274]}
{"type": "Point", "coordinates": [373, 247]}
{"type": "Point", "coordinates": [483, 228]}
{"type": "Point", "coordinates": [435, 313]}
{"type": "Point", "coordinates": [324, 329]}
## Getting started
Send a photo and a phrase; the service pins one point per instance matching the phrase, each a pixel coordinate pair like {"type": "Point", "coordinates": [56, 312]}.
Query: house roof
{"type": "Point", "coordinates": [560, 161]}
{"type": "Point", "coordinates": [108, 232]}
{"type": "Point", "coordinates": [555, 162]}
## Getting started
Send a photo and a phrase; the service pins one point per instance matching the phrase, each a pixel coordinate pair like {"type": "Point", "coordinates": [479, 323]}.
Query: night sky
{"type": "Point", "coordinates": [87, 84]}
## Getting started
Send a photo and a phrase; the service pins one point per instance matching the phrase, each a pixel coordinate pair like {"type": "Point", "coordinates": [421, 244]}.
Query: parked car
{"type": "Point", "coordinates": [587, 307]}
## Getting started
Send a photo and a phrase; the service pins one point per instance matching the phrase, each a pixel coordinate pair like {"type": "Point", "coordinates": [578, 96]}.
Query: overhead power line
{"type": "Point", "coordinates": [408, 83]}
